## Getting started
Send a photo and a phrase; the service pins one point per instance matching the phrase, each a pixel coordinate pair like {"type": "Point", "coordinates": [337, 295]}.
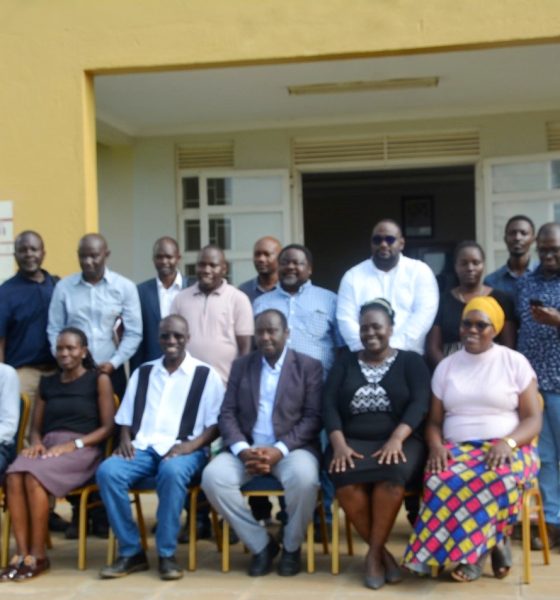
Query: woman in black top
{"type": "Point", "coordinates": [443, 338]}
{"type": "Point", "coordinates": [73, 415]}
{"type": "Point", "coordinates": [374, 403]}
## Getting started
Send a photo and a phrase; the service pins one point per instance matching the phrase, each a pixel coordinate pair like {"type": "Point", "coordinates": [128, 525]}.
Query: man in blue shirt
{"type": "Point", "coordinates": [539, 340]}
{"type": "Point", "coordinates": [104, 305]}
{"type": "Point", "coordinates": [519, 236]}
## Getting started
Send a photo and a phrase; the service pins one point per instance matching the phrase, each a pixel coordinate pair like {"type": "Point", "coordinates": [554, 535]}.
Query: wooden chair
{"type": "Point", "coordinates": [25, 407]}
{"type": "Point", "coordinates": [194, 492]}
{"type": "Point", "coordinates": [267, 485]}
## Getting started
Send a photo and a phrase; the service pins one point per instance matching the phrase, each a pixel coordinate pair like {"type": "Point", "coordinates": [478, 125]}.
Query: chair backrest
{"type": "Point", "coordinates": [25, 407]}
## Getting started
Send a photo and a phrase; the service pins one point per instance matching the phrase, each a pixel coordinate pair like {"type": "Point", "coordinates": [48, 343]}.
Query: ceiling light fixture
{"type": "Point", "coordinates": [380, 85]}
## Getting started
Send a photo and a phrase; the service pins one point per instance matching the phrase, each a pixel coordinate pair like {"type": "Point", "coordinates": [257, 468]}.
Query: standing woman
{"type": "Point", "coordinates": [73, 415]}
{"type": "Point", "coordinates": [443, 338]}
{"type": "Point", "coordinates": [374, 403]}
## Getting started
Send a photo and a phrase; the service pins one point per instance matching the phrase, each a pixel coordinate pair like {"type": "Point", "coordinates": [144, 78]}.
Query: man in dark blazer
{"type": "Point", "coordinates": [270, 422]}
{"type": "Point", "coordinates": [156, 296]}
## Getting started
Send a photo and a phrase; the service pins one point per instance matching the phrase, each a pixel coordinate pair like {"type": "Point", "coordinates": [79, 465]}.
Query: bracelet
{"type": "Point", "coordinates": [510, 442]}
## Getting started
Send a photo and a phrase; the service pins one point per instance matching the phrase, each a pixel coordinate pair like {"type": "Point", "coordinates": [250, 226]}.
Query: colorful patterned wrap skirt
{"type": "Point", "coordinates": [467, 509]}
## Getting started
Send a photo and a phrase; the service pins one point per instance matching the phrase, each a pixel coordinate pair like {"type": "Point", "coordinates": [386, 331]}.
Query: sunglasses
{"type": "Point", "coordinates": [379, 239]}
{"type": "Point", "coordinates": [480, 325]}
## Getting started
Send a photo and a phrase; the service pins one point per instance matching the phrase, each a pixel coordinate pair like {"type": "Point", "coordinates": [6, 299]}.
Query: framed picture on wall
{"type": "Point", "coordinates": [418, 216]}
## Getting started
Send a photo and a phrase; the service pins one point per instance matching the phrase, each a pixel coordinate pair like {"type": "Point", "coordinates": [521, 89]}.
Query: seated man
{"type": "Point", "coordinates": [157, 442]}
{"type": "Point", "coordinates": [270, 421]}
{"type": "Point", "coordinates": [9, 416]}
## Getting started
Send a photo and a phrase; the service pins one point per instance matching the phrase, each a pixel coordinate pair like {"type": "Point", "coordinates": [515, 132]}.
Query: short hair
{"type": "Point", "coordinates": [28, 232]}
{"type": "Point", "coordinates": [212, 247]}
{"type": "Point", "coordinates": [276, 312]}
{"type": "Point", "coordinates": [379, 304]}
{"type": "Point", "coordinates": [175, 316]}
{"type": "Point", "coordinates": [88, 361]}
{"type": "Point", "coordinates": [391, 221]}
{"type": "Point", "coordinates": [166, 238]}
{"type": "Point", "coordinates": [301, 248]}
{"type": "Point", "coordinates": [548, 228]}
{"type": "Point", "coordinates": [520, 218]}
{"type": "Point", "coordinates": [467, 244]}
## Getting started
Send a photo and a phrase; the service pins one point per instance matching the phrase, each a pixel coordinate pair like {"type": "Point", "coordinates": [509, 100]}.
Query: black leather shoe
{"type": "Point", "coordinates": [203, 531]}
{"type": "Point", "coordinates": [290, 563]}
{"type": "Point", "coordinates": [261, 563]}
{"type": "Point", "coordinates": [125, 565]}
{"type": "Point", "coordinates": [169, 569]}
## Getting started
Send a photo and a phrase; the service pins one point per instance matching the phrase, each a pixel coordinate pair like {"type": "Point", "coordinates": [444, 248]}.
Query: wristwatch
{"type": "Point", "coordinates": [510, 442]}
{"type": "Point", "coordinates": [79, 443]}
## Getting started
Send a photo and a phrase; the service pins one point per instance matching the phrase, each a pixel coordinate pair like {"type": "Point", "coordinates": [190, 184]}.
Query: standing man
{"type": "Point", "coordinates": [265, 259]}
{"type": "Point", "coordinates": [169, 418]}
{"type": "Point", "coordinates": [538, 304]}
{"type": "Point", "coordinates": [104, 305]}
{"type": "Point", "coordinates": [270, 421]}
{"type": "Point", "coordinates": [408, 284]}
{"type": "Point", "coordinates": [156, 296]}
{"type": "Point", "coordinates": [519, 235]}
{"type": "Point", "coordinates": [220, 317]}
{"type": "Point", "coordinates": [24, 310]}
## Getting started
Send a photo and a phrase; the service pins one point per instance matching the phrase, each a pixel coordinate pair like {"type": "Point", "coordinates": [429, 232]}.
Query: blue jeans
{"type": "Point", "coordinates": [549, 452]}
{"type": "Point", "coordinates": [171, 477]}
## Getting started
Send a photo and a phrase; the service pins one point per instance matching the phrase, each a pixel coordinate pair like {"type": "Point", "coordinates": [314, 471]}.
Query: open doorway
{"type": "Point", "coordinates": [435, 206]}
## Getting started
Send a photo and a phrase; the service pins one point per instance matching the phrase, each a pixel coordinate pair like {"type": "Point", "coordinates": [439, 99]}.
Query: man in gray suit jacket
{"type": "Point", "coordinates": [270, 422]}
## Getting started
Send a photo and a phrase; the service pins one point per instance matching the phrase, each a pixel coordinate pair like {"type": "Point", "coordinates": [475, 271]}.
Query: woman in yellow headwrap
{"type": "Point", "coordinates": [483, 417]}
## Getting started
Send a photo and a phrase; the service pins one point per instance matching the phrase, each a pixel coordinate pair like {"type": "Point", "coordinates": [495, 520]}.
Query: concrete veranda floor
{"type": "Point", "coordinates": [65, 582]}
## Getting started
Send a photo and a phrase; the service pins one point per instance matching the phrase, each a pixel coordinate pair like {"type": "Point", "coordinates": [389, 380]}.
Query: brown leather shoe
{"type": "Point", "coordinates": [31, 567]}
{"type": "Point", "coordinates": [11, 570]}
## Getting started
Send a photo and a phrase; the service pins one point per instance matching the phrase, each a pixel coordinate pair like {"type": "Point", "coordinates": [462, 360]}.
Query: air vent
{"type": "Point", "coordinates": [386, 148]}
{"type": "Point", "coordinates": [205, 157]}
{"type": "Point", "coordinates": [553, 136]}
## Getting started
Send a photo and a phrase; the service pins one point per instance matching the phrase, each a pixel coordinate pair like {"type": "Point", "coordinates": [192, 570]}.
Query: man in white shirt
{"type": "Point", "coordinates": [9, 415]}
{"type": "Point", "coordinates": [270, 422]}
{"type": "Point", "coordinates": [169, 418]}
{"type": "Point", "coordinates": [408, 284]}
{"type": "Point", "coordinates": [156, 296]}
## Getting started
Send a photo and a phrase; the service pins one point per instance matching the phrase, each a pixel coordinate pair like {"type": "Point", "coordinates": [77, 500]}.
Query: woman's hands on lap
{"type": "Point", "coordinates": [438, 458]}
{"type": "Point", "coordinates": [390, 452]}
{"type": "Point", "coordinates": [498, 455]}
{"type": "Point", "coordinates": [343, 457]}
{"type": "Point", "coordinates": [60, 449]}
{"type": "Point", "coordinates": [34, 451]}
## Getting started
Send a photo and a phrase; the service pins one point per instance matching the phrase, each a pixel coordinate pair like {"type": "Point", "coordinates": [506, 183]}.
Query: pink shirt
{"type": "Point", "coordinates": [480, 392]}
{"type": "Point", "coordinates": [214, 321]}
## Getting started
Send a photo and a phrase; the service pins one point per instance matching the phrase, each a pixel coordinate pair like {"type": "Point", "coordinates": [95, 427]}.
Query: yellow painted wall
{"type": "Point", "coordinates": [47, 47]}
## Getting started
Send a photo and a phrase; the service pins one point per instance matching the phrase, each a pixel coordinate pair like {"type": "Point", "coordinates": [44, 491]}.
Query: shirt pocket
{"type": "Point", "coordinates": [317, 324]}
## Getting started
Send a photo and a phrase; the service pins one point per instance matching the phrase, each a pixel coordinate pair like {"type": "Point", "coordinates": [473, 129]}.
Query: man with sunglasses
{"type": "Point", "coordinates": [408, 284]}
{"type": "Point", "coordinates": [538, 305]}
{"type": "Point", "coordinates": [168, 418]}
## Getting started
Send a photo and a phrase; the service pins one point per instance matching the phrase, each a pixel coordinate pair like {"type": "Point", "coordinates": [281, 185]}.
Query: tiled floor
{"type": "Point", "coordinates": [65, 582]}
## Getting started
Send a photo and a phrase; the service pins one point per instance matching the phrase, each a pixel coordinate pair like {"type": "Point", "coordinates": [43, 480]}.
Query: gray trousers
{"type": "Point", "coordinates": [299, 475]}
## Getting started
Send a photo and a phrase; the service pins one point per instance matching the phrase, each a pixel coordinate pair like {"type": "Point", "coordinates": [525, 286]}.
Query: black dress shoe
{"type": "Point", "coordinates": [261, 563]}
{"type": "Point", "coordinates": [125, 565]}
{"type": "Point", "coordinates": [57, 523]}
{"type": "Point", "coordinates": [169, 569]}
{"type": "Point", "coordinates": [290, 563]}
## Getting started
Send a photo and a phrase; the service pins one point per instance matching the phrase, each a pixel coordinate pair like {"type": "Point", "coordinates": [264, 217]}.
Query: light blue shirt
{"type": "Point", "coordinates": [96, 309]}
{"type": "Point", "coordinates": [311, 315]}
{"type": "Point", "coordinates": [505, 280]}
{"type": "Point", "coordinates": [263, 430]}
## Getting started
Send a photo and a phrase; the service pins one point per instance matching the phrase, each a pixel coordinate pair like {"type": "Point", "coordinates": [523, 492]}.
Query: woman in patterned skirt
{"type": "Point", "coordinates": [73, 415]}
{"type": "Point", "coordinates": [375, 400]}
{"type": "Point", "coordinates": [483, 419]}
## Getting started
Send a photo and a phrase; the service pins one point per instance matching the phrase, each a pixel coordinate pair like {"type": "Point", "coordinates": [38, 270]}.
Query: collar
{"type": "Point", "coordinates": [378, 270]}
{"type": "Point", "coordinates": [177, 283]}
{"type": "Point", "coordinates": [539, 273]}
{"type": "Point", "coordinates": [278, 364]}
{"type": "Point", "coordinates": [21, 277]}
{"type": "Point", "coordinates": [532, 266]}
{"type": "Point", "coordinates": [108, 277]}
{"type": "Point", "coordinates": [300, 291]}
{"type": "Point", "coordinates": [219, 290]}
{"type": "Point", "coordinates": [260, 289]}
{"type": "Point", "coordinates": [187, 366]}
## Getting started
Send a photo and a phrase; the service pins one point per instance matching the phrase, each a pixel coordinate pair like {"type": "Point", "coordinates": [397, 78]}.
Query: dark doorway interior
{"type": "Point", "coordinates": [436, 206]}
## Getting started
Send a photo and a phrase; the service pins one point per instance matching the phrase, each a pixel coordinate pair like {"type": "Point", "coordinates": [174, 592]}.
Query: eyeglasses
{"type": "Point", "coordinates": [547, 251]}
{"type": "Point", "coordinates": [379, 239]}
{"type": "Point", "coordinates": [480, 325]}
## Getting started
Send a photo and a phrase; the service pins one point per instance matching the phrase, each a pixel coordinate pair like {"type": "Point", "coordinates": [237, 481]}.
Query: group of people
{"type": "Point", "coordinates": [313, 388]}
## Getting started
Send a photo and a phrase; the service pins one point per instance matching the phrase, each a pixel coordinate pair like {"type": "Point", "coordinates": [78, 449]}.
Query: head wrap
{"type": "Point", "coordinates": [379, 304]}
{"type": "Point", "coordinates": [490, 307]}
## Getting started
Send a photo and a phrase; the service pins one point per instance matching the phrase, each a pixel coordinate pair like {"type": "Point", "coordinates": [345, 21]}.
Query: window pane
{"type": "Point", "coordinates": [219, 229]}
{"type": "Point", "coordinates": [191, 192]}
{"type": "Point", "coordinates": [192, 234]}
{"type": "Point", "coordinates": [520, 177]}
{"type": "Point", "coordinates": [219, 191]}
{"type": "Point", "coordinates": [555, 174]}
{"type": "Point", "coordinates": [190, 271]}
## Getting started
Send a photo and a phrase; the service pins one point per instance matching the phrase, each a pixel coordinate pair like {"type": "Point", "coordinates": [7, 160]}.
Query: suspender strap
{"type": "Point", "coordinates": [140, 398]}
{"type": "Point", "coordinates": [193, 400]}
